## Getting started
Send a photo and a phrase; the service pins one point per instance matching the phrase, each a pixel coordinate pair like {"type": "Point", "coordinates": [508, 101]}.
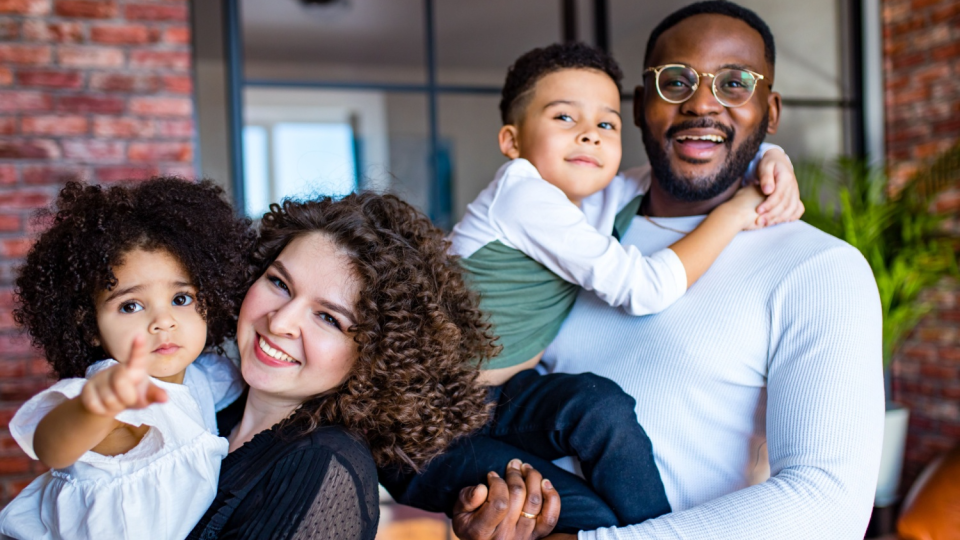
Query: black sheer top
{"type": "Point", "coordinates": [285, 487]}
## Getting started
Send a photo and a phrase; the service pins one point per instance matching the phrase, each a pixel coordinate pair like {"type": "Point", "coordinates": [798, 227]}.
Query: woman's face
{"type": "Point", "coordinates": [292, 330]}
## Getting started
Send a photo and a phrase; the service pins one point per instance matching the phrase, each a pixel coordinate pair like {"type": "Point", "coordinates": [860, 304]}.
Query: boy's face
{"type": "Point", "coordinates": [570, 131]}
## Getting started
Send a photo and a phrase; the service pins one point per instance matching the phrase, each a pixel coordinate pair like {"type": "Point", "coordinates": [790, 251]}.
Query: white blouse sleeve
{"type": "Point", "coordinates": [537, 218]}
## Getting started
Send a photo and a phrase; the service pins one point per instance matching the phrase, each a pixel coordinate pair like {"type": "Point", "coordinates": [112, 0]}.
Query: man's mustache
{"type": "Point", "coordinates": [698, 123]}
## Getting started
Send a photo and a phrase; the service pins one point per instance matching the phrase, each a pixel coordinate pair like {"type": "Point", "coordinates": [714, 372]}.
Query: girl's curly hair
{"type": "Point", "coordinates": [420, 335]}
{"type": "Point", "coordinates": [93, 227]}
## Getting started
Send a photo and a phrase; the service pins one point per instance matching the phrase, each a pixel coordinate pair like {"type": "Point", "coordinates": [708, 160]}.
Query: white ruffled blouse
{"type": "Point", "coordinates": [157, 490]}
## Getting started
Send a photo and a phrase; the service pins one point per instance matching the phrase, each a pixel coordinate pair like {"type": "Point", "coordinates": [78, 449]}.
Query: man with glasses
{"type": "Point", "coordinates": [775, 352]}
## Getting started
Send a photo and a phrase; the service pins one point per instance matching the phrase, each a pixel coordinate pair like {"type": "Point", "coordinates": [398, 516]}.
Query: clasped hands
{"type": "Point", "coordinates": [520, 506]}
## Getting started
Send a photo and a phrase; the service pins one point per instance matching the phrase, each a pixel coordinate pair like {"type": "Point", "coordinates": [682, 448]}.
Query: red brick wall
{"type": "Point", "coordinates": [96, 89]}
{"type": "Point", "coordinates": [922, 79]}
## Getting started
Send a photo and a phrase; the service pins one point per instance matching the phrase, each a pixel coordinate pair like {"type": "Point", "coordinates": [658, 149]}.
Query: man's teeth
{"type": "Point", "coordinates": [275, 354]}
{"type": "Point", "coordinates": [712, 138]}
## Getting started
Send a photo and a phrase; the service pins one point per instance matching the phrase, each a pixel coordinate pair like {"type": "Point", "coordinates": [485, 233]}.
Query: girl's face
{"type": "Point", "coordinates": [153, 298]}
{"type": "Point", "coordinates": [292, 332]}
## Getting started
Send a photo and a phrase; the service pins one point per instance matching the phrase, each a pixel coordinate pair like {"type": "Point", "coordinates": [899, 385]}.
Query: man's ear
{"type": "Point", "coordinates": [774, 104]}
{"type": "Point", "coordinates": [509, 141]}
{"type": "Point", "coordinates": [637, 104]}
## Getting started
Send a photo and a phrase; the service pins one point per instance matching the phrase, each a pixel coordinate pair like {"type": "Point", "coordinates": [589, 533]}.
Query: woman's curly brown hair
{"type": "Point", "coordinates": [94, 227]}
{"type": "Point", "coordinates": [419, 335]}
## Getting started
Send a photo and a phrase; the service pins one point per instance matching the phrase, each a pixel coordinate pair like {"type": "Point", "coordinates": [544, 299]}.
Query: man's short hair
{"type": "Point", "coordinates": [535, 64]}
{"type": "Point", "coordinates": [715, 7]}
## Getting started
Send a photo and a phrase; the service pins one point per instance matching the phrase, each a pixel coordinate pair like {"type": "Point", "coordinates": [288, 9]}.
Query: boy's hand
{"type": "Point", "coordinates": [742, 207]}
{"type": "Point", "coordinates": [778, 181]}
{"type": "Point", "coordinates": [123, 386]}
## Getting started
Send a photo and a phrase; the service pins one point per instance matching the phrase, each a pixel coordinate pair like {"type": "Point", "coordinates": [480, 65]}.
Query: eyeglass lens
{"type": "Point", "coordinates": [734, 87]}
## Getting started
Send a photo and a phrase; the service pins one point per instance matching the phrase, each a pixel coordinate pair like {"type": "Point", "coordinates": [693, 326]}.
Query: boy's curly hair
{"type": "Point", "coordinates": [420, 334]}
{"type": "Point", "coordinates": [93, 228]}
{"type": "Point", "coordinates": [523, 75]}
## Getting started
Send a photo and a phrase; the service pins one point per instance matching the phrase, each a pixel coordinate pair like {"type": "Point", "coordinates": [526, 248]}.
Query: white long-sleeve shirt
{"type": "Point", "coordinates": [778, 344]}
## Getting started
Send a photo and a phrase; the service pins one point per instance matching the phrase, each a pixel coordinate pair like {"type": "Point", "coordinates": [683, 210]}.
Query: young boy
{"type": "Point", "coordinates": [536, 235]}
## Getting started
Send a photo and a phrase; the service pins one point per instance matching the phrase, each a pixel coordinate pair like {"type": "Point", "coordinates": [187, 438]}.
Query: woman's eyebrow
{"type": "Point", "coordinates": [333, 306]}
{"type": "Point", "coordinates": [282, 270]}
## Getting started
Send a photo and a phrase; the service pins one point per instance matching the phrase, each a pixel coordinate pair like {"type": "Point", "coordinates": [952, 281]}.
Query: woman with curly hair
{"type": "Point", "coordinates": [124, 292]}
{"type": "Point", "coordinates": [356, 342]}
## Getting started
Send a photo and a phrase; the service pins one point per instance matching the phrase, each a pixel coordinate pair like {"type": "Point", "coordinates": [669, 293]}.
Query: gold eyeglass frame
{"type": "Point", "coordinates": [713, 84]}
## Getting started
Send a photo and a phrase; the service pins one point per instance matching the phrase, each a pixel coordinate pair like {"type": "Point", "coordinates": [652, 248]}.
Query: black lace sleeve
{"type": "Point", "coordinates": [321, 486]}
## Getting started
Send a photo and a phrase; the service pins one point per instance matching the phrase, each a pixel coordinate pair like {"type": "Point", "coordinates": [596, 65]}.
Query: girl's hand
{"type": "Point", "coordinates": [123, 386]}
{"type": "Point", "coordinates": [524, 507]}
{"type": "Point", "coordinates": [742, 208]}
{"type": "Point", "coordinates": [778, 181]}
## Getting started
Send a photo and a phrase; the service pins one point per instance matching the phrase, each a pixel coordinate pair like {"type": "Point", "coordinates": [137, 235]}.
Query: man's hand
{"type": "Point", "coordinates": [779, 182]}
{"type": "Point", "coordinates": [524, 507]}
{"type": "Point", "coordinates": [123, 386]}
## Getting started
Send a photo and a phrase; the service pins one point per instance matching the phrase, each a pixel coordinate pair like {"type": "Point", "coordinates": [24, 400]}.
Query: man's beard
{"type": "Point", "coordinates": [702, 188]}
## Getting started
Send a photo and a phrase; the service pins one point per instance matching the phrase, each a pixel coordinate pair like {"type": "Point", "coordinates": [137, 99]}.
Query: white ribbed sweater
{"type": "Point", "coordinates": [778, 341]}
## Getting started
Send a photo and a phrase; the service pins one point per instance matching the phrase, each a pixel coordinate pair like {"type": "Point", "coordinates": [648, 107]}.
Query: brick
{"type": "Point", "coordinates": [123, 127]}
{"type": "Point", "coordinates": [91, 103]}
{"type": "Point", "coordinates": [90, 57]}
{"type": "Point", "coordinates": [23, 200]}
{"type": "Point", "coordinates": [177, 35]}
{"type": "Point", "coordinates": [124, 172]}
{"type": "Point", "coordinates": [25, 54]}
{"type": "Point", "coordinates": [153, 59]}
{"type": "Point", "coordinates": [11, 465]}
{"type": "Point", "coordinates": [47, 78]}
{"type": "Point", "coordinates": [153, 152]}
{"type": "Point", "coordinates": [54, 125]}
{"type": "Point", "coordinates": [939, 15]}
{"type": "Point", "coordinates": [29, 149]}
{"type": "Point", "coordinates": [8, 125]}
{"type": "Point", "coordinates": [24, 101]}
{"type": "Point", "coordinates": [13, 369]}
{"type": "Point", "coordinates": [10, 223]}
{"type": "Point", "coordinates": [951, 354]}
{"type": "Point", "coordinates": [53, 32]}
{"type": "Point", "coordinates": [8, 174]}
{"type": "Point", "coordinates": [129, 34]}
{"type": "Point", "coordinates": [155, 12]}
{"type": "Point", "coordinates": [93, 150]}
{"type": "Point", "coordinates": [178, 84]}
{"type": "Point", "coordinates": [39, 366]}
{"type": "Point", "coordinates": [122, 82]}
{"type": "Point", "coordinates": [86, 9]}
{"type": "Point", "coordinates": [39, 223]}
{"type": "Point", "coordinates": [906, 60]}
{"type": "Point", "coordinates": [920, 4]}
{"type": "Point", "coordinates": [919, 352]}
{"type": "Point", "coordinates": [25, 7]}
{"type": "Point", "coordinates": [175, 129]}
{"type": "Point", "coordinates": [15, 248]}
{"type": "Point", "coordinates": [184, 170]}
{"type": "Point", "coordinates": [946, 52]}
{"type": "Point", "coordinates": [6, 414]}
{"type": "Point", "coordinates": [9, 30]}
{"type": "Point", "coordinates": [161, 106]}
{"type": "Point", "coordinates": [946, 128]}
{"type": "Point", "coordinates": [17, 345]}
{"type": "Point", "coordinates": [6, 76]}
{"type": "Point", "coordinates": [51, 174]}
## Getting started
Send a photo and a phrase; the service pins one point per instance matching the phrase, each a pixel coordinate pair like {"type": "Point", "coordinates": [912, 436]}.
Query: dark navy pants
{"type": "Point", "coordinates": [540, 418]}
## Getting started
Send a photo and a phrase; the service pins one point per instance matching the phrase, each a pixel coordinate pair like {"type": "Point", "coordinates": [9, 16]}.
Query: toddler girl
{"type": "Point", "coordinates": [127, 288]}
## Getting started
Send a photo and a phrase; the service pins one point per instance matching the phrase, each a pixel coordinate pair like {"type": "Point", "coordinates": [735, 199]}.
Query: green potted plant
{"type": "Point", "coordinates": [905, 245]}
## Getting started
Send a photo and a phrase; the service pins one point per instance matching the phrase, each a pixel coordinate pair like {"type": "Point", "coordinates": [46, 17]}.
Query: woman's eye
{"type": "Point", "coordinates": [278, 283]}
{"type": "Point", "coordinates": [329, 319]}
{"type": "Point", "coordinates": [564, 117]}
{"type": "Point", "coordinates": [182, 300]}
{"type": "Point", "coordinates": [607, 125]}
{"type": "Point", "coordinates": [130, 307]}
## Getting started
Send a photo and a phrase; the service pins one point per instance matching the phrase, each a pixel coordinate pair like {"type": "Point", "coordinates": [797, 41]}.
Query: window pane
{"type": "Point", "coordinates": [256, 171]}
{"type": "Point", "coordinates": [477, 41]}
{"type": "Point", "coordinates": [355, 41]}
{"type": "Point", "coordinates": [313, 159]}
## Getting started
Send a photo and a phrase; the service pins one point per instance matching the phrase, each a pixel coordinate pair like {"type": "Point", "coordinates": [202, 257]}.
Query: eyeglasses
{"type": "Point", "coordinates": [677, 83]}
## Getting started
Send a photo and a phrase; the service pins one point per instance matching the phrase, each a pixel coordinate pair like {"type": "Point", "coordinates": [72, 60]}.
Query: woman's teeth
{"type": "Point", "coordinates": [275, 354]}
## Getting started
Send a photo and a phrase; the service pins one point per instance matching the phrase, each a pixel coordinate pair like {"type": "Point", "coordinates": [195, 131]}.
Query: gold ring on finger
{"type": "Point", "coordinates": [528, 515]}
